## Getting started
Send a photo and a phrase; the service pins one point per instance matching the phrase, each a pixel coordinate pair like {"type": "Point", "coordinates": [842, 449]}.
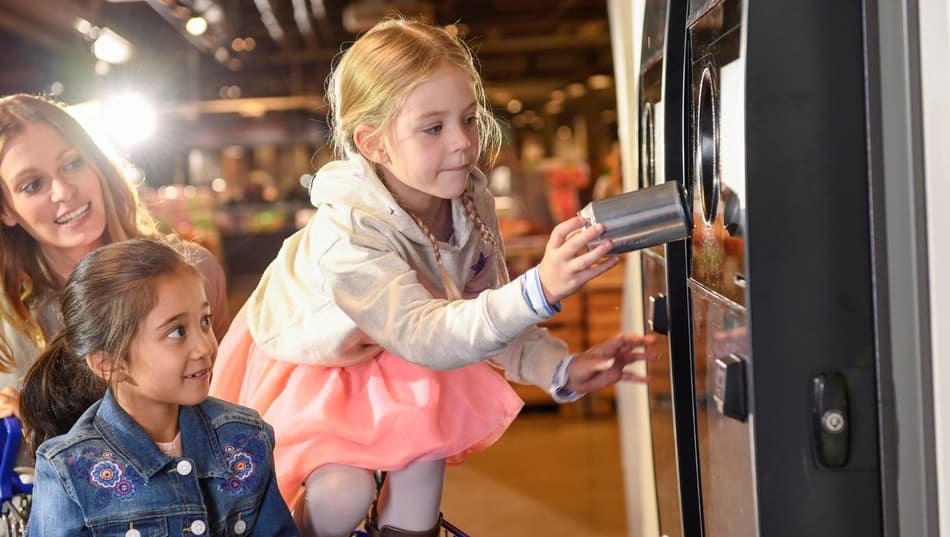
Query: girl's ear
{"type": "Point", "coordinates": [101, 364]}
{"type": "Point", "coordinates": [370, 144]}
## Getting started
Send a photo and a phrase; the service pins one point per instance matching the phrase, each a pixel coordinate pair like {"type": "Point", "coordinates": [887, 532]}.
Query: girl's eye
{"type": "Point", "coordinates": [206, 321]}
{"type": "Point", "coordinates": [177, 333]}
{"type": "Point", "coordinates": [435, 129]}
{"type": "Point", "coordinates": [471, 120]}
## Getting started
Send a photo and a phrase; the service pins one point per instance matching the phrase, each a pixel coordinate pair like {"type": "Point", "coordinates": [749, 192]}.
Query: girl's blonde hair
{"type": "Point", "coordinates": [372, 80]}
{"type": "Point", "coordinates": [24, 275]}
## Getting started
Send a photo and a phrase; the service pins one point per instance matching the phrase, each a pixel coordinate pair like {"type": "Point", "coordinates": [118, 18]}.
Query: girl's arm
{"type": "Point", "coordinates": [382, 294]}
{"type": "Point", "coordinates": [372, 281]}
{"type": "Point", "coordinates": [53, 511]}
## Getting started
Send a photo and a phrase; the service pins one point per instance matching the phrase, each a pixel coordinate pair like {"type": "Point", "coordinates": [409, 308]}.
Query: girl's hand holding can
{"type": "Point", "coordinates": [567, 264]}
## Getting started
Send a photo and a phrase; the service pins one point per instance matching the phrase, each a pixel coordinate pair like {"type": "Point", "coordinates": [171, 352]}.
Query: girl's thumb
{"type": "Point", "coordinates": [604, 365]}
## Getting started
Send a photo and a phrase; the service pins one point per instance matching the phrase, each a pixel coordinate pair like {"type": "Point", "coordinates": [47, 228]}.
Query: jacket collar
{"type": "Point", "coordinates": [128, 439]}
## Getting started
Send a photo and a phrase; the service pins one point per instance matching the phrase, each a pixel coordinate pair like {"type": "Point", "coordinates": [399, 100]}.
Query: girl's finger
{"type": "Point", "coordinates": [633, 377]}
{"type": "Point", "coordinates": [591, 272]}
{"type": "Point", "coordinates": [580, 240]}
{"type": "Point", "coordinates": [589, 258]}
{"type": "Point", "coordinates": [561, 231]}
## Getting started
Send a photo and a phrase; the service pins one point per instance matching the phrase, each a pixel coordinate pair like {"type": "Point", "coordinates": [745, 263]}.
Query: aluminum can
{"type": "Point", "coordinates": [641, 218]}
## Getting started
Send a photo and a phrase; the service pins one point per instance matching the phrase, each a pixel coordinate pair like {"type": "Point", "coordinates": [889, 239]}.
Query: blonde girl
{"type": "Point", "coordinates": [367, 340]}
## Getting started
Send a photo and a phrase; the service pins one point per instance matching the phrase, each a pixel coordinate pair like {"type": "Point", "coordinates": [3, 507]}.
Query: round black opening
{"type": "Point", "coordinates": [647, 146]}
{"type": "Point", "coordinates": [707, 147]}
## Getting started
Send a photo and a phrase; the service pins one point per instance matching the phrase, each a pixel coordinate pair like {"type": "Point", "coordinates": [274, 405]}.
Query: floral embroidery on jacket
{"type": "Point", "coordinates": [243, 454]}
{"type": "Point", "coordinates": [112, 477]}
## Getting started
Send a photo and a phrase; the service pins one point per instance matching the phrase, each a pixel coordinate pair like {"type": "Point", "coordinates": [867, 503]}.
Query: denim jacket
{"type": "Point", "coordinates": [107, 477]}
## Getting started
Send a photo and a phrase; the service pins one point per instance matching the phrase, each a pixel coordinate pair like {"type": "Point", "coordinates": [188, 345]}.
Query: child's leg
{"type": "Point", "coordinates": [336, 499]}
{"type": "Point", "coordinates": [411, 497]}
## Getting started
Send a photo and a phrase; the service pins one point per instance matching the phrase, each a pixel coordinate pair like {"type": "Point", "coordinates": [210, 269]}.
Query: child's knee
{"type": "Point", "coordinates": [336, 499]}
{"type": "Point", "coordinates": [346, 484]}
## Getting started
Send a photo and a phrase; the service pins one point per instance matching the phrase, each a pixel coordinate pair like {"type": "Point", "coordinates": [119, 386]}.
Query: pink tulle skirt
{"type": "Point", "coordinates": [381, 414]}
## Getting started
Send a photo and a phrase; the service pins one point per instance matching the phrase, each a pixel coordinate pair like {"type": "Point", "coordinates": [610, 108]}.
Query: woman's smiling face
{"type": "Point", "coordinates": [52, 192]}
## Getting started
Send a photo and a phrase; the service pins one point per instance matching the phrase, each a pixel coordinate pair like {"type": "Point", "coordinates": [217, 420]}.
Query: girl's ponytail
{"type": "Point", "coordinates": [58, 388]}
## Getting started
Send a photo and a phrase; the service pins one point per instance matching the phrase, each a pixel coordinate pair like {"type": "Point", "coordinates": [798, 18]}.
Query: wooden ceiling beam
{"type": "Point", "coordinates": [490, 47]}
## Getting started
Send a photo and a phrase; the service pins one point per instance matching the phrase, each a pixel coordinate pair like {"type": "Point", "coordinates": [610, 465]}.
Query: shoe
{"type": "Point", "coordinates": [389, 531]}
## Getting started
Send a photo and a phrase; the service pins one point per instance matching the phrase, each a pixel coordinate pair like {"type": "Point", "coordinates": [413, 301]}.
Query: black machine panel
{"type": "Point", "coordinates": [760, 112]}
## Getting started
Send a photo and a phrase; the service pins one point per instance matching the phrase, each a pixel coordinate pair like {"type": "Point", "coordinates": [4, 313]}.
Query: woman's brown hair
{"type": "Point", "coordinates": [108, 294]}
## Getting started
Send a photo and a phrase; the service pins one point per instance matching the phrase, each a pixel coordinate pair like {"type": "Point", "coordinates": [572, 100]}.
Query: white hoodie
{"type": "Point", "coordinates": [361, 276]}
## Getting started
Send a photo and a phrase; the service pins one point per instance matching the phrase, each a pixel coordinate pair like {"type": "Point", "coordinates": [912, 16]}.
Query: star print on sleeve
{"type": "Point", "coordinates": [480, 264]}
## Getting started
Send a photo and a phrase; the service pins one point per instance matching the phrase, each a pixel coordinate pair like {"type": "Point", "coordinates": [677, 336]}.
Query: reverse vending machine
{"type": "Point", "coordinates": [768, 381]}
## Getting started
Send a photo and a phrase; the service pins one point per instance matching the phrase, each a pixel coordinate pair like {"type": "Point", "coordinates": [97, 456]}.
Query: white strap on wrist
{"type": "Point", "coordinates": [558, 392]}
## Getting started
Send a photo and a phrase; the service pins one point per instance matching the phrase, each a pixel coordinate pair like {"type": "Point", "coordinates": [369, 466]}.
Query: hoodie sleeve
{"type": "Point", "coordinates": [380, 291]}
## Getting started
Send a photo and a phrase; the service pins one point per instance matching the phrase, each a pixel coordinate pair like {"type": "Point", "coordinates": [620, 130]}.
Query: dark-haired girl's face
{"type": "Point", "coordinates": [53, 193]}
{"type": "Point", "coordinates": [170, 358]}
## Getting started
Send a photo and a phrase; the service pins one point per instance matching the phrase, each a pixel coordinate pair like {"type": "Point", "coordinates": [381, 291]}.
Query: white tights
{"type": "Point", "coordinates": [337, 498]}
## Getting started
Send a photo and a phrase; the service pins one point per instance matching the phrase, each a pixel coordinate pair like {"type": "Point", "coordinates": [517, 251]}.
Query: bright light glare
{"type": "Point", "coordinates": [112, 47]}
{"type": "Point", "coordinates": [129, 118]}
{"type": "Point", "coordinates": [121, 121]}
{"type": "Point", "coordinates": [196, 25]}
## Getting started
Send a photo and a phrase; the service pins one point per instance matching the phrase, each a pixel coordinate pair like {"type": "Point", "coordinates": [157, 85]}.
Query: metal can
{"type": "Point", "coordinates": [641, 218]}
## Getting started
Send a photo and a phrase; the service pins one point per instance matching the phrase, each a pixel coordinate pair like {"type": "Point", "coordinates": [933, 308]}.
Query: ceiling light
{"type": "Point", "coordinates": [576, 89]}
{"type": "Point", "coordinates": [599, 82]}
{"type": "Point", "coordinates": [111, 47]}
{"type": "Point", "coordinates": [196, 26]}
{"type": "Point", "coordinates": [82, 25]}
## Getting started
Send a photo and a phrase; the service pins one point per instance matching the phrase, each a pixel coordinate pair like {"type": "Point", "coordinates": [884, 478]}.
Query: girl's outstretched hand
{"type": "Point", "coordinates": [602, 364]}
{"type": "Point", "coordinates": [567, 265]}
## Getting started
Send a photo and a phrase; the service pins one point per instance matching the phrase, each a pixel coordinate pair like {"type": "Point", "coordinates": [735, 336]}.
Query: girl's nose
{"type": "Point", "coordinates": [462, 140]}
{"type": "Point", "coordinates": [205, 345]}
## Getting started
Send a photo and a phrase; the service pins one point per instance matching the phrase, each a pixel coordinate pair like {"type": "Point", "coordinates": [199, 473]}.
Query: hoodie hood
{"type": "Point", "coordinates": [354, 183]}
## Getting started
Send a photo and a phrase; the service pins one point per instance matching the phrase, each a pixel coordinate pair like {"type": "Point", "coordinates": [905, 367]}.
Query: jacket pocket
{"type": "Point", "coordinates": [147, 527]}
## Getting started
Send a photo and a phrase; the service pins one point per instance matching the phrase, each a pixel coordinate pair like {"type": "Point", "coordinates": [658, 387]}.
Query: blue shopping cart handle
{"type": "Point", "coordinates": [11, 436]}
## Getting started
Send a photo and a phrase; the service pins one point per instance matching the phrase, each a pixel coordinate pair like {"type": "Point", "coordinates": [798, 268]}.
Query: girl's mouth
{"type": "Point", "coordinates": [198, 374]}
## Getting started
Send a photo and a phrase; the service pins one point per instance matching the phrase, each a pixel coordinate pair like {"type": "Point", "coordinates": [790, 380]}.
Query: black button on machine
{"type": "Point", "coordinates": [831, 420]}
{"type": "Point", "coordinates": [659, 316]}
{"type": "Point", "coordinates": [729, 392]}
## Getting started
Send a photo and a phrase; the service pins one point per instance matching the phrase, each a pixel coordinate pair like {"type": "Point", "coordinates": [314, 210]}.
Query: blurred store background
{"type": "Point", "coordinates": [219, 104]}
{"type": "Point", "coordinates": [218, 107]}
